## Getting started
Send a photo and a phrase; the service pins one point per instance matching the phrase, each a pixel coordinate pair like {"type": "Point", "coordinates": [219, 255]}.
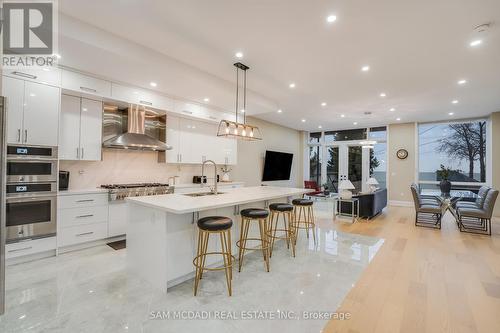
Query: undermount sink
{"type": "Point", "coordinates": [202, 194]}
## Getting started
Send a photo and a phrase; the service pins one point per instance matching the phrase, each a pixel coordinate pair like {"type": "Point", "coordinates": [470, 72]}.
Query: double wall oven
{"type": "Point", "coordinates": [31, 193]}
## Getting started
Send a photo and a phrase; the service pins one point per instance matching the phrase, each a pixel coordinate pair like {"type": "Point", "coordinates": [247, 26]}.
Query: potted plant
{"type": "Point", "coordinates": [326, 189]}
{"type": "Point", "coordinates": [444, 175]}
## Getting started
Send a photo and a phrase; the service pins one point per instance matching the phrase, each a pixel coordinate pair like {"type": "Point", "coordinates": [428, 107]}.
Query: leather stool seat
{"type": "Point", "coordinates": [281, 207]}
{"type": "Point", "coordinates": [302, 202]}
{"type": "Point", "coordinates": [255, 213]}
{"type": "Point", "coordinates": [215, 223]}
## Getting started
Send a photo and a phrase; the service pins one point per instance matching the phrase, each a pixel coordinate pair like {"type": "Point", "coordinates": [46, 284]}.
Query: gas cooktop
{"type": "Point", "coordinates": [121, 191]}
{"type": "Point", "coordinates": [135, 185]}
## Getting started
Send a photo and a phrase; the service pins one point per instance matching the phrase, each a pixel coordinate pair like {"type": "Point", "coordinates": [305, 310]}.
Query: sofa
{"type": "Point", "coordinates": [370, 204]}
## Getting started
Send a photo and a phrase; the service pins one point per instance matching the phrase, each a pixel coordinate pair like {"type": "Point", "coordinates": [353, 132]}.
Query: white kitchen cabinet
{"type": "Point", "coordinates": [117, 220]}
{"type": "Point", "coordinates": [29, 247]}
{"type": "Point", "coordinates": [142, 97]}
{"type": "Point", "coordinates": [13, 90]}
{"type": "Point", "coordinates": [90, 130]}
{"type": "Point", "coordinates": [173, 139]}
{"type": "Point", "coordinates": [195, 141]}
{"type": "Point", "coordinates": [33, 112]}
{"type": "Point", "coordinates": [85, 84]}
{"type": "Point", "coordinates": [81, 129]}
{"type": "Point", "coordinates": [81, 218]}
{"type": "Point", "coordinates": [48, 76]}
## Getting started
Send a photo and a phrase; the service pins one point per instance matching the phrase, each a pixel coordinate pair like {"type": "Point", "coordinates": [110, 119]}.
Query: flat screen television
{"type": "Point", "coordinates": [277, 166]}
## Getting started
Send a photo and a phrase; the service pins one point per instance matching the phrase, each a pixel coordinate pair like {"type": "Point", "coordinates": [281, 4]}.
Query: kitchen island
{"type": "Point", "coordinates": [162, 230]}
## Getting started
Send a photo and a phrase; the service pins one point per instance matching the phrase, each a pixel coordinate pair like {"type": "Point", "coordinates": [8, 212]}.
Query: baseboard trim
{"type": "Point", "coordinates": [400, 203]}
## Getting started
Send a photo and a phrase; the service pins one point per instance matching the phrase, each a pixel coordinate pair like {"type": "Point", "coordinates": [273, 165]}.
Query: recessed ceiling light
{"type": "Point", "coordinates": [392, 109]}
{"type": "Point", "coordinates": [355, 123]}
{"type": "Point", "coordinates": [292, 85]}
{"type": "Point", "coordinates": [206, 99]}
{"type": "Point", "coordinates": [450, 113]}
{"type": "Point", "coordinates": [323, 104]}
{"type": "Point", "coordinates": [365, 68]}
{"type": "Point", "coordinates": [303, 120]}
{"type": "Point", "coordinates": [398, 119]}
{"type": "Point", "coordinates": [462, 82]}
{"type": "Point", "coordinates": [331, 18]}
{"type": "Point", "coordinates": [320, 127]}
{"type": "Point", "coordinates": [454, 101]}
{"type": "Point", "coordinates": [476, 42]}
{"type": "Point", "coordinates": [152, 84]}
{"type": "Point", "coordinates": [239, 55]}
{"type": "Point", "coordinates": [242, 110]}
{"type": "Point", "coordinates": [342, 116]}
{"type": "Point", "coordinates": [382, 95]}
{"type": "Point", "coordinates": [279, 110]}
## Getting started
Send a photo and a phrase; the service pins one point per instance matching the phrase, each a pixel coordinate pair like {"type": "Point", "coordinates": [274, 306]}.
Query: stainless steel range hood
{"type": "Point", "coordinates": [135, 137]}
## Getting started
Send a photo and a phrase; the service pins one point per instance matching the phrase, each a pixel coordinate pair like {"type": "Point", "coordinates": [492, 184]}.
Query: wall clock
{"type": "Point", "coordinates": [402, 154]}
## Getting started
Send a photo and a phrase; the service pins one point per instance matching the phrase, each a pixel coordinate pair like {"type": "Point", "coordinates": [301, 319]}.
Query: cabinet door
{"type": "Point", "coordinates": [85, 84]}
{"type": "Point", "coordinates": [190, 150]}
{"type": "Point", "coordinates": [13, 90]}
{"type": "Point", "coordinates": [117, 221]}
{"type": "Point", "coordinates": [50, 76]}
{"type": "Point", "coordinates": [69, 133]}
{"type": "Point", "coordinates": [41, 114]}
{"type": "Point", "coordinates": [173, 139]}
{"type": "Point", "coordinates": [90, 130]}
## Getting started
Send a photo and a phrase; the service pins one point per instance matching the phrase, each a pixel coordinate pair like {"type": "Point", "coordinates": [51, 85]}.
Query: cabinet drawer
{"type": "Point", "coordinates": [82, 233]}
{"type": "Point", "coordinates": [82, 200]}
{"type": "Point", "coordinates": [82, 215]}
{"type": "Point", "coordinates": [49, 76]}
{"type": "Point", "coordinates": [29, 247]}
{"type": "Point", "coordinates": [85, 84]}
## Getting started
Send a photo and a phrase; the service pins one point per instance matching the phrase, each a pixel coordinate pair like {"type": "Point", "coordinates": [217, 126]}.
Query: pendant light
{"type": "Point", "coordinates": [235, 129]}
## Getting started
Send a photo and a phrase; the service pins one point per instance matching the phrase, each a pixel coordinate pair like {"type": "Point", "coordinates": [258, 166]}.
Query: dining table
{"type": "Point", "coordinates": [450, 199]}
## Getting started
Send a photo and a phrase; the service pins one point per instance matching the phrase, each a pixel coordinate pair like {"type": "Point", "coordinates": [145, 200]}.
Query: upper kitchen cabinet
{"type": "Point", "coordinates": [85, 84]}
{"type": "Point", "coordinates": [142, 97]}
{"type": "Point", "coordinates": [49, 76]}
{"type": "Point", "coordinates": [81, 129]}
{"type": "Point", "coordinates": [32, 112]}
{"type": "Point", "coordinates": [173, 139]}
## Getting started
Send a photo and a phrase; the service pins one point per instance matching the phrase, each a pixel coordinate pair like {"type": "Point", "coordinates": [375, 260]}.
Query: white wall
{"type": "Point", "coordinates": [251, 154]}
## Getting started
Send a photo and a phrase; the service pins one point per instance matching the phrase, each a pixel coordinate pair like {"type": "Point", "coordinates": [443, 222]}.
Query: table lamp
{"type": "Point", "coordinates": [345, 186]}
{"type": "Point", "coordinates": [372, 182]}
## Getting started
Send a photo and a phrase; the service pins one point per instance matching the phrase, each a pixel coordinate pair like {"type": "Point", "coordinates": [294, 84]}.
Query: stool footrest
{"type": "Point", "coordinates": [215, 268]}
{"type": "Point", "coordinates": [267, 243]}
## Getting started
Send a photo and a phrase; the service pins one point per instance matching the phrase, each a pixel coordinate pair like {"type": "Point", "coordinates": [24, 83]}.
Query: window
{"type": "Point", "coordinates": [378, 163]}
{"type": "Point", "coordinates": [315, 137]}
{"type": "Point", "coordinates": [458, 147]}
{"type": "Point", "coordinates": [345, 135]}
{"type": "Point", "coordinates": [315, 164]}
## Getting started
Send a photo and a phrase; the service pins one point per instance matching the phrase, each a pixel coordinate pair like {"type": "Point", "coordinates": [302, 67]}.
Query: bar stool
{"type": "Point", "coordinates": [304, 216]}
{"type": "Point", "coordinates": [285, 210]}
{"type": "Point", "coordinates": [214, 225]}
{"type": "Point", "coordinates": [248, 215]}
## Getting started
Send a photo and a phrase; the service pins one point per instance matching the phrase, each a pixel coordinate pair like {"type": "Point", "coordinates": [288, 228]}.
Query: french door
{"type": "Point", "coordinates": [346, 161]}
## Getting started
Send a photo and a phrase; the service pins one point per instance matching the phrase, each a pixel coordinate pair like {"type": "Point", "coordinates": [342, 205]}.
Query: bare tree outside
{"type": "Point", "coordinates": [466, 142]}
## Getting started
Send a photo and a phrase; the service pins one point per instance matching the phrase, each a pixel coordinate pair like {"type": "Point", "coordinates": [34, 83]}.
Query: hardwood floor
{"type": "Point", "coordinates": [424, 280]}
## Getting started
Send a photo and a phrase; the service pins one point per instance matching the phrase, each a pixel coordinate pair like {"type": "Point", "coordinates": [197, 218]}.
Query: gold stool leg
{"type": "Point", "coordinates": [286, 226]}
{"type": "Point", "coordinates": [274, 219]}
{"type": "Point", "coordinates": [313, 223]}
{"type": "Point", "coordinates": [204, 241]}
{"type": "Point", "coordinates": [200, 261]}
{"type": "Point", "coordinates": [225, 255]}
{"type": "Point", "coordinates": [265, 243]}
{"type": "Point", "coordinates": [291, 231]}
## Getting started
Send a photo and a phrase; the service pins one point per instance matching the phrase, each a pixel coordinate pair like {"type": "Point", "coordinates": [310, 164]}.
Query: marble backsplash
{"type": "Point", "coordinates": [125, 166]}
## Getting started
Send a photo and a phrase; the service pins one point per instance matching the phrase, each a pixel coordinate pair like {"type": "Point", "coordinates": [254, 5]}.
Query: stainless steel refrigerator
{"type": "Point", "coordinates": [3, 148]}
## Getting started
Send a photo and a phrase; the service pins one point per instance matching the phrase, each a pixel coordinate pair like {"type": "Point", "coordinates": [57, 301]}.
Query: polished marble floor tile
{"type": "Point", "coordinates": [90, 291]}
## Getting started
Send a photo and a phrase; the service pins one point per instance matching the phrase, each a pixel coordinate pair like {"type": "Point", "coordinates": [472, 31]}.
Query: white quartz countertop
{"type": "Point", "coordinates": [181, 204]}
{"type": "Point", "coordinates": [83, 191]}
{"type": "Point", "coordinates": [189, 185]}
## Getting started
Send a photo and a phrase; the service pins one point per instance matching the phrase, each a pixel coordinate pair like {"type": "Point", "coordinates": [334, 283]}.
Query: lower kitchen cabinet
{"type": "Point", "coordinates": [19, 249]}
{"type": "Point", "coordinates": [82, 218]}
{"type": "Point", "coordinates": [117, 218]}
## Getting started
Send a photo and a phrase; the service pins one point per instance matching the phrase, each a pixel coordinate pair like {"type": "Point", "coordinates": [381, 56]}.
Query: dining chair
{"type": "Point", "coordinates": [477, 220]}
{"type": "Point", "coordinates": [428, 212]}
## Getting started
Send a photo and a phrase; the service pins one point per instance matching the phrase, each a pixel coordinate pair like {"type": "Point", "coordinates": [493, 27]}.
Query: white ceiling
{"type": "Point", "coordinates": [417, 51]}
